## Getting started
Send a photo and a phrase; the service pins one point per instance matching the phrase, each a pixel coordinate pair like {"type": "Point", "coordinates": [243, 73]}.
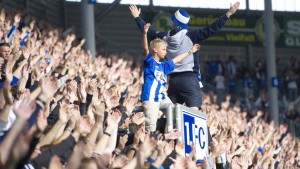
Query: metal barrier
{"type": "Point", "coordinates": [168, 112]}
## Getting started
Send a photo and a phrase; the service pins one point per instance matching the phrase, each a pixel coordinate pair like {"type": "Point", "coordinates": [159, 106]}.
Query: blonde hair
{"type": "Point", "coordinates": [155, 43]}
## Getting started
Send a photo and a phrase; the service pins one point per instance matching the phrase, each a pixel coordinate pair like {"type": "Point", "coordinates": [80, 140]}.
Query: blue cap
{"type": "Point", "coordinates": [181, 18]}
{"type": "Point", "coordinates": [260, 149]}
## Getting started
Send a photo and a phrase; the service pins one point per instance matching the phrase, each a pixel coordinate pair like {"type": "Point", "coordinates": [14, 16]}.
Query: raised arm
{"type": "Point", "coordinates": [152, 34]}
{"type": "Point", "coordinates": [112, 123]}
{"type": "Point", "coordinates": [198, 35]}
{"type": "Point", "coordinates": [8, 98]}
{"type": "Point", "coordinates": [232, 9]}
{"type": "Point", "coordinates": [23, 111]}
{"type": "Point", "coordinates": [145, 41]}
{"type": "Point", "coordinates": [185, 54]}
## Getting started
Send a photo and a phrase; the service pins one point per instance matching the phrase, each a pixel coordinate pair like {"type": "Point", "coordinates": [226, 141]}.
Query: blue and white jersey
{"type": "Point", "coordinates": [155, 79]}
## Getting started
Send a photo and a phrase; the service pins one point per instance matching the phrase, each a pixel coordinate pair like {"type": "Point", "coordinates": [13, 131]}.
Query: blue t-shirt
{"type": "Point", "coordinates": [12, 83]}
{"type": "Point", "coordinates": [248, 83]}
{"type": "Point", "coordinates": [155, 79]}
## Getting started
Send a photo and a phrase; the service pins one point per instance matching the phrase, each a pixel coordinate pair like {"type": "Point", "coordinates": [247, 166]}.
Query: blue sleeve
{"type": "Point", "coordinates": [199, 35]}
{"type": "Point", "coordinates": [168, 66]}
{"type": "Point", "coordinates": [152, 33]}
{"type": "Point", "coordinates": [153, 167]}
{"type": "Point", "coordinates": [23, 43]}
{"type": "Point", "coordinates": [13, 82]}
{"type": "Point", "coordinates": [150, 160]}
{"type": "Point", "coordinates": [148, 61]}
{"type": "Point", "coordinates": [10, 33]}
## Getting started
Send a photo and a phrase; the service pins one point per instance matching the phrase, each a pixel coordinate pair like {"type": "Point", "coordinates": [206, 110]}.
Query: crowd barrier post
{"type": "Point", "coordinates": [169, 109]}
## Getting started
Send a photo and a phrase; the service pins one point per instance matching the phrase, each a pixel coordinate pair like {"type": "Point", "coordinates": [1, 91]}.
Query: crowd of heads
{"type": "Point", "coordinates": [61, 109]}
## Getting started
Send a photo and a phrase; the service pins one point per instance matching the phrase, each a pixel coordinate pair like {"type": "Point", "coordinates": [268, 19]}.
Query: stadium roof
{"type": "Point", "coordinates": [277, 5]}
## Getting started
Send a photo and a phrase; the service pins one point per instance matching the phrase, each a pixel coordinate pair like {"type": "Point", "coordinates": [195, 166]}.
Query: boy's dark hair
{"type": "Point", "coordinates": [4, 44]}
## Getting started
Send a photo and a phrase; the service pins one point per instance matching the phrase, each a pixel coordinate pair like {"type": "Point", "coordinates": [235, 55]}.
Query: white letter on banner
{"type": "Point", "coordinates": [186, 124]}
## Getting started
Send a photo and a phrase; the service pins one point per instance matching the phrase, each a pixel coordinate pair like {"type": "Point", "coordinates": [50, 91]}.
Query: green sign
{"type": "Point", "coordinates": [239, 30]}
{"type": "Point", "coordinates": [292, 32]}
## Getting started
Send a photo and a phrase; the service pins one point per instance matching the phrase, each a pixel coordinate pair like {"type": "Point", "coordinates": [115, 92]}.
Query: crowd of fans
{"type": "Point", "coordinates": [249, 85]}
{"type": "Point", "coordinates": [61, 109]}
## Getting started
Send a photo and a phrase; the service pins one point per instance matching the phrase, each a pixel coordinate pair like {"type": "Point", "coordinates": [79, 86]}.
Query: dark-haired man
{"type": "Point", "coordinates": [4, 58]}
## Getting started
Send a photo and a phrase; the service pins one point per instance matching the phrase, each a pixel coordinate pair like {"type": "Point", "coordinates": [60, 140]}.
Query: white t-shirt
{"type": "Point", "coordinates": [219, 79]}
{"type": "Point", "coordinates": [291, 83]}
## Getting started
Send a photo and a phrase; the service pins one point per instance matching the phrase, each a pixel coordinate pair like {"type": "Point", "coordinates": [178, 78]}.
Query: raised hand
{"type": "Point", "coordinates": [71, 88]}
{"type": "Point", "coordinates": [25, 52]}
{"type": "Point", "coordinates": [114, 118]}
{"type": "Point", "coordinates": [136, 138]}
{"type": "Point", "coordinates": [122, 142]}
{"type": "Point", "coordinates": [130, 104]}
{"type": "Point", "coordinates": [2, 16]}
{"type": "Point", "coordinates": [146, 28]}
{"type": "Point", "coordinates": [135, 11]}
{"type": "Point", "coordinates": [41, 121]}
{"type": "Point", "coordinates": [92, 86]}
{"type": "Point", "coordinates": [234, 163]}
{"type": "Point", "coordinates": [148, 145]}
{"type": "Point", "coordinates": [243, 162]}
{"type": "Point", "coordinates": [23, 93]}
{"type": "Point", "coordinates": [83, 125]}
{"type": "Point", "coordinates": [193, 151]}
{"type": "Point", "coordinates": [49, 86]}
{"type": "Point", "coordinates": [233, 9]}
{"type": "Point", "coordinates": [64, 113]}
{"type": "Point", "coordinates": [81, 92]}
{"type": "Point", "coordinates": [169, 148]}
{"type": "Point", "coordinates": [98, 109]}
{"type": "Point", "coordinates": [179, 148]}
{"type": "Point", "coordinates": [17, 19]}
{"type": "Point", "coordinates": [195, 48]}
{"type": "Point", "coordinates": [72, 121]}
{"type": "Point", "coordinates": [119, 161]}
{"type": "Point", "coordinates": [180, 162]}
{"type": "Point", "coordinates": [31, 25]}
{"type": "Point", "coordinates": [173, 135]}
{"type": "Point", "coordinates": [138, 118]}
{"type": "Point", "coordinates": [25, 108]}
{"type": "Point", "coordinates": [36, 73]}
{"type": "Point", "coordinates": [228, 156]}
{"type": "Point", "coordinates": [25, 71]}
{"type": "Point", "coordinates": [6, 89]}
{"type": "Point", "coordinates": [8, 71]}
{"type": "Point", "coordinates": [111, 97]}
{"type": "Point", "coordinates": [75, 114]}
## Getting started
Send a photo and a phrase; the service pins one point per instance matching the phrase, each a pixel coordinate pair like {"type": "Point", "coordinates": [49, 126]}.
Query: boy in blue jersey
{"type": "Point", "coordinates": [154, 88]}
